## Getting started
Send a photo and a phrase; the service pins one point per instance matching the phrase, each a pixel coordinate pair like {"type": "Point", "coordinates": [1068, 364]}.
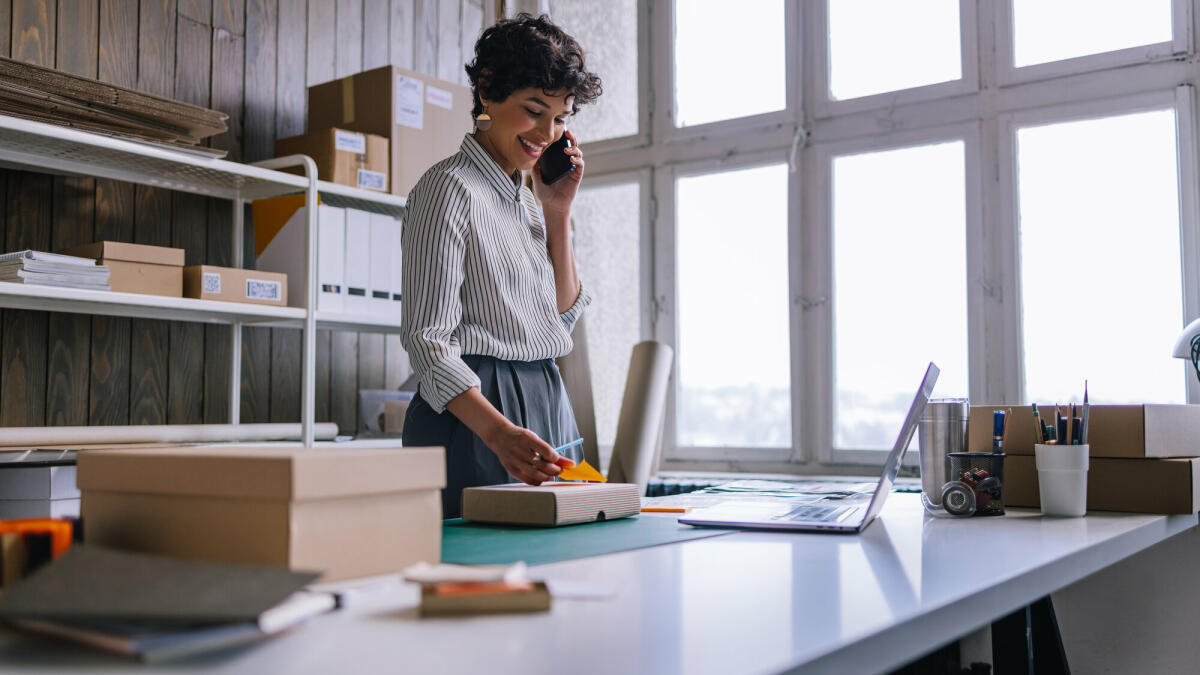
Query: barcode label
{"type": "Point", "coordinates": [350, 142]}
{"type": "Point", "coordinates": [212, 283]}
{"type": "Point", "coordinates": [372, 180]}
{"type": "Point", "coordinates": [261, 289]}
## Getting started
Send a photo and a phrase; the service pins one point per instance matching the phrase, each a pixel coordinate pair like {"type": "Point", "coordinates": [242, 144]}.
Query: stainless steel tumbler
{"type": "Point", "coordinates": [943, 430]}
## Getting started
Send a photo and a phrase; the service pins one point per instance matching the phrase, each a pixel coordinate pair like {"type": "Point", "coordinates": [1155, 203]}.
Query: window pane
{"type": "Point", "coordinates": [900, 280]}
{"type": "Point", "coordinates": [607, 31]}
{"type": "Point", "coordinates": [876, 46]}
{"type": "Point", "coordinates": [728, 63]}
{"type": "Point", "coordinates": [1052, 30]}
{"type": "Point", "coordinates": [1100, 259]}
{"type": "Point", "coordinates": [734, 380]}
{"type": "Point", "coordinates": [607, 251]}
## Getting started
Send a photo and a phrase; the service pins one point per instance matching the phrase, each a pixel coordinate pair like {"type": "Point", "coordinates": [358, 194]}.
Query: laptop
{"type": "Point", "coordinates": [839, 516]}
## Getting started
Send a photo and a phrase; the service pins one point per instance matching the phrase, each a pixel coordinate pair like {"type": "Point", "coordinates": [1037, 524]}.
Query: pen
{"type": "Point", "coordinates": [1038, 434]}
{"type": "Point", "coordinates": [560, 449]}
{"type": "Point", "coordinates": [1083, 425]}
{"type": "Point", "coordinates": [998, 418]}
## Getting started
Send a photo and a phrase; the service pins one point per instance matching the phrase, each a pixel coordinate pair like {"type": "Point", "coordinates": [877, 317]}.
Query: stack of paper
{"type": "Point", "coordinates": [53, 269]}
{"type": "Point", "coordinates": [48, 95]}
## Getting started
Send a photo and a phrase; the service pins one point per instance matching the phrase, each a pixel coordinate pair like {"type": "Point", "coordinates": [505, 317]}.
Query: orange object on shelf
{"type": "Point", "coordinates": [60, 531]}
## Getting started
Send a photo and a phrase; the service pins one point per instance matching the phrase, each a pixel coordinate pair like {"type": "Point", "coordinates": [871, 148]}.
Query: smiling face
{"type": "Point", "coordinates": [523, 125]}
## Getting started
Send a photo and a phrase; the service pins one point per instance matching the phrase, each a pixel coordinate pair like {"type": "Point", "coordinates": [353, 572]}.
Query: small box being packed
{"type": "Point", "coordinates": [551, 504]}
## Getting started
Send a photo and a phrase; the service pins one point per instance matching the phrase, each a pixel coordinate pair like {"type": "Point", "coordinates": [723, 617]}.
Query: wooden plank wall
{"type": "Point", "coordinates": [252, 59]}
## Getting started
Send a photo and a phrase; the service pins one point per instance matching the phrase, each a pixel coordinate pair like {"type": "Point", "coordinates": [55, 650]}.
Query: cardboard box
{"type": "Point", "coordinates": [230, 284]}
{"type": "Point", "coordinates": [1115, 484]}
{"type": "Point", "coordinates": [551, 504]}
{"type": "Point", "coordinates": [138, 268]}
{"type": "Point", "coordinates": [348, 512]}
{"type": "Point", "coordinates": [423, 118]}
{"type": "Point", "coordinates": [342, 156]}
{"type": "Point", "coordinates": [1129, 431]}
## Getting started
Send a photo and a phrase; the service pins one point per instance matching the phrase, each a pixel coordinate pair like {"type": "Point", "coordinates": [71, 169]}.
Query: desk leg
{"type": "Point", "coordinates": [1028, 642]}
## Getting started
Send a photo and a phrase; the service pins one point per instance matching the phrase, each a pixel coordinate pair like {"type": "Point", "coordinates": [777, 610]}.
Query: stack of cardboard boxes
{"type": "Point", "coordinates": [381, 130]}
{"type": "Point", "coordinates": [159, 270]}
{"type": "Point", "coordinates": [1142, 458]}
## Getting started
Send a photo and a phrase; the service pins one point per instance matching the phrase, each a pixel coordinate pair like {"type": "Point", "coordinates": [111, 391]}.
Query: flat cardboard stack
{"type": "Point", "coordinates": [348, 512]}
{"type": "Point", "coordinates": [342, 157]}
{"type": "Point", "coordinates": [423, 118]}
{"type": "Point", "coordinates": [1142, 458]}
{"type": "Point", "coordinates": [48, 95]}
{"type": "Point", "coordinates": [138, 268]}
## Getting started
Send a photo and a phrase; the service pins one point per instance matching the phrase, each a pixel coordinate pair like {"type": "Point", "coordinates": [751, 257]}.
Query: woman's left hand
{"type": "Point", "coordinates": [556, 199]}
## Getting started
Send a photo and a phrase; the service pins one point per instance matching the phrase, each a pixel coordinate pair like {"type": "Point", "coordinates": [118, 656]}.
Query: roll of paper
{"type": "Point", "coordinates": [159, 433]}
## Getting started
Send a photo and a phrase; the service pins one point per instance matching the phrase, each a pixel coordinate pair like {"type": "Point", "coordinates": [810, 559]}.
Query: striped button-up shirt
{"type": "Point", "coordinates": [477, 275]}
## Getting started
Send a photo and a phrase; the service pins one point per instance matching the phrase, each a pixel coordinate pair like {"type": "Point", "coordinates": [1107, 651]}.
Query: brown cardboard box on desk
{"type": "Point", "coordinates": [423, 118]}
{"type": "Point", "coordinates": [1114, 484]}
{"type": "Point", "coordinates": [343, 157]}
{"type": "Point", "coordinates": [231, 284]}
{"type": "Point", "coordinates": [138, 268]}
{"type": "Point", "coordinates": [550, 504]}
{"type": "Point", "coordinates": [348, 512]}
{"type": "Point", "coordinates": [1130, 431]}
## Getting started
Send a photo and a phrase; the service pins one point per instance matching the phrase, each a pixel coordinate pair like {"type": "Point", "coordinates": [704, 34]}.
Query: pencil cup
{"type": "Point", "coordinates": [1062, 478]}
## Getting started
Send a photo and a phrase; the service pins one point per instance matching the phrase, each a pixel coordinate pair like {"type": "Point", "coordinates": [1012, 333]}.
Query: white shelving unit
{"type": "Point", "coordinates": [35, 146]}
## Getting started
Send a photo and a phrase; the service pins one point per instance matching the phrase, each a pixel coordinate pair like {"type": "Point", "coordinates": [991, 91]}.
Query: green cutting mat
{"type": "Point", "coordinates": [478, 544]}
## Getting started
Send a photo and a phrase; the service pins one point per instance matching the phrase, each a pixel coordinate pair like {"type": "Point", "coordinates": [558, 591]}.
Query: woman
{"type": "Point", "coordinates": [490, 287]}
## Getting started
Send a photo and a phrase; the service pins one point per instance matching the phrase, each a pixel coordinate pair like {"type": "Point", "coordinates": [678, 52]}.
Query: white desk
{"type": "Point", "coordinates": [745, 602]}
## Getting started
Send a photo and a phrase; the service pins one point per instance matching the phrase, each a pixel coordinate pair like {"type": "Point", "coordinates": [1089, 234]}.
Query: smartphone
{"type": "Point", "coordinates": [554, 162]}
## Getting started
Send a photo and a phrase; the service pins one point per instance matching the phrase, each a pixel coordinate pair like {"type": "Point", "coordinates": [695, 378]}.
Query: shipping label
{"type": "Point", "coordinates": [262, 289]}
{"type": "Point", "coordinates": [410, 102]}
{"type": "Point", "coordinates": [212, 283]}
{"type": "Point", "coordinates": [372, 180]}
{"type": "Point", "coordinates": [439, 97]}
{"type": "Point", "coordinates": [350, 142]}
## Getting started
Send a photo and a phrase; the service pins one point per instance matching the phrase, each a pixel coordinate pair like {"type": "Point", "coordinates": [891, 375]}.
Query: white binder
{"type": "Point", "coordinates": [383, 229]}
{"type": "Point", "coordinates": [397, 270]}
{"type": "Point", "coordinates": [358, 261]}
{"type": "Point", "coordinates": [285, 253]}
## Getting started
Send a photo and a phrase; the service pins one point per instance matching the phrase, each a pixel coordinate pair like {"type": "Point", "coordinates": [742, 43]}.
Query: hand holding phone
{"type": "Point", "coordinates": [554, 162]}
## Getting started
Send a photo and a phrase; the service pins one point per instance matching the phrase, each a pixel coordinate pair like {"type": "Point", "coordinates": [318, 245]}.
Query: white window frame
{"type": "Point", "coordinates": [813, 129]}
{"type": "Point", "coordinates": [667, 326]}
{"type": "Point", "coordinates": [663, 23]}
{"type": "Point", "coordinates": [827, 106]}
{"type": "Point", "coordinates": [1181, 101]}
{"type": "Point", "coordinates": [1007, 73]}
{"type": "Point", "coordinates": [820, 359]}
{"type": "Point", "coordinates": [641, 138]}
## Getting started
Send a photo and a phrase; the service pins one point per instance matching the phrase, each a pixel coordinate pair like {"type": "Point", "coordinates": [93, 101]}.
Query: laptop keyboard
{"type": "Point", "coordinates": [820, 514]}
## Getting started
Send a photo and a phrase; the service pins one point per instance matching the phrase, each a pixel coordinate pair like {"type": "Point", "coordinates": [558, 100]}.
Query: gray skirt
{"type": "Point", "coordinates": [529, 393]}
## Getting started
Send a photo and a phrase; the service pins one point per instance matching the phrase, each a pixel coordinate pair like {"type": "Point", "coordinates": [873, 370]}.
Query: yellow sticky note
{"type": "Point", "coordinates": [582, 471]}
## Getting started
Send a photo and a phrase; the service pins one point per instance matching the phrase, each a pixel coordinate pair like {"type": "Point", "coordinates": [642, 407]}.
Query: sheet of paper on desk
{"type": "Point", "coordinates": [799, 492]}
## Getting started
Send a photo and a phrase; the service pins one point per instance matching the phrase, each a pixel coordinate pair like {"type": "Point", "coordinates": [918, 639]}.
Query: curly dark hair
{"type": "Point", "coordinates": [528, 51]}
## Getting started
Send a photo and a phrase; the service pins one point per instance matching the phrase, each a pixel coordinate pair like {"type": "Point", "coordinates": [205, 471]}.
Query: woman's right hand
{"type": "Point", "coordinates": [524, 455]}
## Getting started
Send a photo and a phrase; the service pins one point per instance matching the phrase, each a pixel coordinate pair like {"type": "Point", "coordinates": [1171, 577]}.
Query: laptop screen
{"type": "Point", "coordinates": [892, 466]}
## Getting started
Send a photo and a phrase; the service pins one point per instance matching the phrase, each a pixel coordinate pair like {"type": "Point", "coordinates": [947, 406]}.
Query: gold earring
{"type": "Point", "coordinates": [483, 121]}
